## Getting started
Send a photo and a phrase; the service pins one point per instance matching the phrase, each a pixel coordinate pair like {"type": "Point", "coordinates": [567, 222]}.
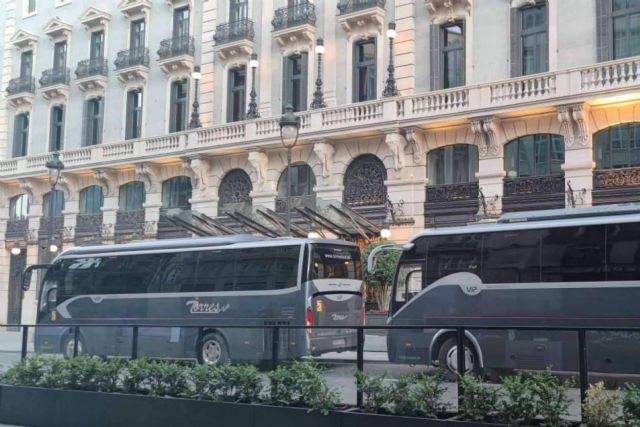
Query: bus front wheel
{"type": "Point", "coordinates": [68, 344]}
{"type": "Point", "coordinates": [213, 350]}
{"type": "Point", "coordinates": [448, 358]}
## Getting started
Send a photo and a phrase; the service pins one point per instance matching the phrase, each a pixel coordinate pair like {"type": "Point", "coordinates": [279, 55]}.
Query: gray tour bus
{"type": "Point", "coordinates": [208, 283]}
{"type": "Point", "coordinates": [562, 268]}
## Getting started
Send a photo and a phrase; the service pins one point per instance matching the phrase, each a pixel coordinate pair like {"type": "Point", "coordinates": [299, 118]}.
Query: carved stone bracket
{"type": "Point", "coordinates": [325, 153]}
{"type": "Point", "coordinates": [197, 168]}
{"type": "Point", "coordinates": [442, 11]}
{"type": "Point", "coordinates": [70, 185]}
{"type": "Point", "coordinates": [415, 140]}
{"type": "Point", "coordinates": [489, 136]}
{"type": "Point", "coordinates": [574, 125]}
{"type": "Point", "coordinates": [29, 187]}
{"type": "Point", "coordinates": [108, 180]}
{"type": "Point", "coordinates": [396, 143]}
{"type": "Point", "coordinates": [259, 161]}
{"type": "Point", "coordinates": [150, 175]}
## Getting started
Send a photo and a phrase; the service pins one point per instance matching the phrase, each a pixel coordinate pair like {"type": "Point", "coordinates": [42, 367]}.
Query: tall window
{"type": "Point", "coordinates": [364, 182]}
{"type": "Point", "coordinates": [529, 39]}
{"type": "Point", "coordinates": [453, 164]}
{"type": "Point", "coordinates": [93, 111]}
{"type": "Point", "coordinates": [176, 193]}
{"type": "Point", "coordinates": [54, 201]}
{"type": "Point", "coordinates": [20, 135]}
{"type": "Point", "coordinates": [31, 6]}
{"type": "Point", "coordinates": [91, 200]}
{"type": "Point", "coordinates": [181, 22]}
{"type": "Point", "coordinates": [301, 187]}
{"type": "Point", "coordinates": [237, 10]}
{"type": "Point", "coordinates": [26, 65]}
{"type": "Point", "coordinates": [453, 55]}
{"type": "Point", "coordinates": [60, 55]}
{"type": "Point", "coordinates": [137, 36]}
{"type": "Point", "coordinates": [19, 207]}
{"type": "Point", "coordinates": [97, 45]}
{"type": "Point", "coordinates": [237, 94]}
{"type": "Point", "coordinates": [56, 133]}
{"type": "Point", "coordinates": [178, 113]}
{"type": "Point", "coordinates": [295, 82]}
{"type": "Point", "coordinates": [134, 114]}
{"type": "Point", "coordinates": [364, 77]}
{"type": "Point", "coordinates": [131, 197]}
{"type": "Point", "coordinates": [618, 147]}
{"type": "Point", "coordinates": [626, 28]}
{"type": "Point", "coordinates": [534, 155]}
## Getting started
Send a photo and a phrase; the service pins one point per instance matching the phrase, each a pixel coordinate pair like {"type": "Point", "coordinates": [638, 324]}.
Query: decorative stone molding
{"type": "Point", "coordinates": [574, 125]}
{"type": "Point", "coordinates": [57, 29]}
{"type": "Point", "coordinates": [366, 22]}
{"type": "Point", "coordinates": [134, 8]}
{"type": "Point", "coordinates": [94, 18]}
{"type": "Point", "coordinates": [150, 175]}
{"type": "Point", "coordinates": [24, 40]}
{"type": "Point", "coordinates": [259, 161]}
{"type": "Point", "coordinates": [489, 136]}
{"type": "Point", "coordinates": [325, 153]}
{"type": "Point", "coordinates": [70, 185]}
{"type": "Point", "coordinates": [443, 11]}
{"type": "Point", "coordinates": [198, 169]}
{"type": "Point", "coordinates": [108, 180]}
{"type": "Point", "coordinates": [415, 140]}
{"type": "Point", "coordinates": [516, 4]}
{"type": "Point", "coordinates": [396, 143]}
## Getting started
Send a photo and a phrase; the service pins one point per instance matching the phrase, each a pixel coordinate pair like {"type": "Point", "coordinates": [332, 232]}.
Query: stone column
{"type": "Point", "coordinates": [578, 163]}
{"type": "Point", "coordinates": [405, 46]}
{"type": "Point", "coordinates": [490, 138]}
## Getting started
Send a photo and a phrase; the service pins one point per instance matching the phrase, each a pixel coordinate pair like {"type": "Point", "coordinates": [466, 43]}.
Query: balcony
{"type": "Point", "coordinates": [451, 204]}
{"type": "Point", "coordinates": [176, 54]}
{"type": "Point", "coordinates": [234, 39]}
{"type": "Point", "coordinates": [130, 226]}
{"type": "Point", "coordinates": [533, 193]}
{"type": "Point", "coordinates": [616, 186]}
{"type": "Point", "coordinates": [91, 74]}
{"type": "Point", "coordinates": [132, 64]}
{"type": "Point", "coordinates": [361, 13]}
{"type": "Point", "coordinates": [17, 229]}
{"type": "Point", "coordinates": [54, 83]}
{"type": "Point", "coordinates": [20, 91]}
{"type": "Point", "coordinates": [295, 23]}
{"type": "Point", "coordinates": [56, 231]}
{"type": "Point", "coordinates": [88, 229]}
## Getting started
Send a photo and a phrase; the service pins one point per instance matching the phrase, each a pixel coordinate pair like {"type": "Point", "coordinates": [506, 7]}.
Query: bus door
{"type": "Point", "coordinates": [408, 283]}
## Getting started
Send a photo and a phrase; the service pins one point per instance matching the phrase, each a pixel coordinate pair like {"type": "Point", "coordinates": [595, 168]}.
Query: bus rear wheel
{"type": "Point", "coordinates": [68, 344]}
{"type": "Point", "coordinates": [448, 358]}
{"type": "Point", "coordinates": [212, 350]}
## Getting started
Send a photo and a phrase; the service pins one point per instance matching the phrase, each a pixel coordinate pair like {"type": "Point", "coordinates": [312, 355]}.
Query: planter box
{"type": "Point", "coordinates": [282, 416]}
{"type": "Point", "coordinates": [459, 423]}
{"type": "Point", "coordinates": [359, 419]}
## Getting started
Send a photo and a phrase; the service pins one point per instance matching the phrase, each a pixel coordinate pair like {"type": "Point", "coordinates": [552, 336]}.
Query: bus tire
{"type": "Point", "coordinates": [447, 358]}
{"type": "Point", "coordinates": [212, 350]}
{"type": "Point", "coordinates": [66, 347]}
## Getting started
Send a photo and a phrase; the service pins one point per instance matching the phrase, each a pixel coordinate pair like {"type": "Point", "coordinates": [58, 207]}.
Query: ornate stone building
{"type": "Point", "coordinates": [491, 106]}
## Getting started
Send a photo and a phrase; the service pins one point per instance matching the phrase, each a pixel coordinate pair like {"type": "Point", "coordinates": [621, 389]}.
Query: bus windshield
{"type": "Point", "coordinates": [335, 262]}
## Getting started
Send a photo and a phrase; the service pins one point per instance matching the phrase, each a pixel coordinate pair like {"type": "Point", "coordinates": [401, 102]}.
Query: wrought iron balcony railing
{"type": "Point", "coordinates": [301, 13]}
{"type": "Point", "coordinates": [92, 67]}
{"type": "Point", "coordinates": [233, 31]}
{"type": "Point", "coordinates": [451, 192]}
{"type": "Point", "coordinates": [532, 185]}
{"type": "Point", "coordinates": [55, 76]}
{"type": "Point", "coordinates": [177, 46]}
{"type": "Point", "coordinates": [129, 226]}
{"type": "Point", "coordinates": [348, 6]}
{"type": "Point", "coordinates": [132, 57]}
{"type": "Point", "coordinates": [17, 229]}
{"type": "Point", "coordinates": [616, 178]}
{"type": "Point", "coordinates": [21, 85]}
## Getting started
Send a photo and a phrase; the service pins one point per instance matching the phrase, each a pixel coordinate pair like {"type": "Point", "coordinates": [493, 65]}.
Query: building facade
{"type": "Point", "coordinates": [464, 110]}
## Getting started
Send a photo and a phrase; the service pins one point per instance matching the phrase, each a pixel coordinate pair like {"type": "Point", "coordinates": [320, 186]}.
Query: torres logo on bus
{"type": "Point", "coordinates": [197, 307]}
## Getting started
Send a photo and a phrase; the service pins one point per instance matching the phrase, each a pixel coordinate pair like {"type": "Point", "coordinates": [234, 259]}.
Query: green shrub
{"type": "Point", "coordinates": [552, 397]}
{"type": "Point", "coordinates": [479, 401]}
{"type": "Point", "coordinates": [202, 379]}
{"type": "Point", "coordinates": [135, 376]}
{"type": "Point", "coordinates": [599, 408]}
{"type": "Point", "coordinates": [518, 406]}
{"type": "Point", "coordinates": [237, 383]}
{"type": "Point", "coordinates": [29, 372]}
{"type": "Point", "coordinates": [166, 379]}
{"type": "Point", "coordinates": [631, 405]}
{"type": "Point", "coordinates": [376, 392]}
{"type": "Point", "coordinates": [302, 384]}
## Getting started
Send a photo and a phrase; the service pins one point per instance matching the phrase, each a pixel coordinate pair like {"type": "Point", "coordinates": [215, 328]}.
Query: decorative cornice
{"type": "Point", "coordinates": [56, 28]}
{"type": "Point", "coordinates": [24, 39]}
{"type": "Point", "coordinates": [574, 125]}
{"type": "Point", "coordinates": [489, 136]}
{"type": "Point", "coordinates": [108, 180]}
{"type": "Point", "coordinates": [149, 174]}
{"type": "Point", "coordinates": [443, 11]}
{"type": "Point", "coordinates": [94, 17]}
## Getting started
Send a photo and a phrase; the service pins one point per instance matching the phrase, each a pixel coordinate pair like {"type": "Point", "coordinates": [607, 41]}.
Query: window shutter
{"type": "Point", "coordinates": [172, 107]}
{"type": "Point", "coordinates": [603, 30]}
{"type": "Point", "coordinates": [305, 80]}
{"type": "Point", "coordinates": [100, 119]}
{"type": "Point", "coordinates": [354, 74]}
{"type": "Point", "coordinates": [129, 124]}
{"type": "Point", "coordinates": [17, 135]}
{"type": "Point", "coordinates": [52, 126]}
{"type": "Point", "coordinates": [436, 57]}
{"type": "Point", "coordinates": [85, 124]}
{"type": "Point", "coordinates": [286, 82]}
{"type": "Point", "coordinates": [516, 44]}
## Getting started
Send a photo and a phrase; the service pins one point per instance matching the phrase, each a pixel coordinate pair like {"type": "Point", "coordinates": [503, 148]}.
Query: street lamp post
{"type": "Point", "coordinates": [195, 112]}
{"type": "Point", "coordinates": [318, 96]}
{"type": "Point", "coordinates": [253, 105]}
{"type": "Point", "coordinates": [390, 88]}
{"type": "Point", "coordinates": [55, 166]}
{"type": "Point", "coordinates": [289, 129]}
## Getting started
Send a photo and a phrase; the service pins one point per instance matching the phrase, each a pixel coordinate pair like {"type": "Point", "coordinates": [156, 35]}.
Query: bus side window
{"type": "Point", "coordinates": [215, 272]}
{"type": "Point", "coordinates": [409, 282]}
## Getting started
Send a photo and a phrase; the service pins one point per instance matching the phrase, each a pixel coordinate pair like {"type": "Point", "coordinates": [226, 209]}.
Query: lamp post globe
{"type": "Point", "coordinates": [289, 129]}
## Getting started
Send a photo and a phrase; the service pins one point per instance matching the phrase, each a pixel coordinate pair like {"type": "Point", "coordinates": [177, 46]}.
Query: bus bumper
{"type": "Point", "coordinates": [48, 339]}
{"type": "Point", "coordinates": [333, 343]}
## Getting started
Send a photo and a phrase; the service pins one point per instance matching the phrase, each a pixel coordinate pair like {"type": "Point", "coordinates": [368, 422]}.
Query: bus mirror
{"type": "Point", "coordinates": [26, 279]}
{"type": "Point", "coordinates": [52, 298]}
{"type": "Point", "coordinates": [371, 260]}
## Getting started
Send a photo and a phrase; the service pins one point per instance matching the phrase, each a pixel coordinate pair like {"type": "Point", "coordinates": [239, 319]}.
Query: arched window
{"type": "Point", "coordinates": [91, 200]}
{"type": "Point", "coordinates": [18, 207]}
{"type": "Point", "coordinates": [364, 182]}
{"type": "Point", "coordinates": [534, 155]}
{"type": "Point", "coordinates": [176, 193]}
{"type": "Point", "coordinates": [301, 188]}
{"type": "Point", "coordinates": [53, 205]}
{"type": "Point", "coordinates": [618, 147]}
{"type": "Point", "coordinates": [131, 197]}
{"type": "Point", "coordinates": [453, 164]}
{"type": "Point", "coordinates": [234, 192]}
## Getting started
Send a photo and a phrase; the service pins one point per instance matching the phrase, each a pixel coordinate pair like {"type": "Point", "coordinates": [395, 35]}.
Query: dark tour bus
{"type": "Point", "coordinates": [562, 268]}
{"type": "Point", "coordinates": [208, 283]}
